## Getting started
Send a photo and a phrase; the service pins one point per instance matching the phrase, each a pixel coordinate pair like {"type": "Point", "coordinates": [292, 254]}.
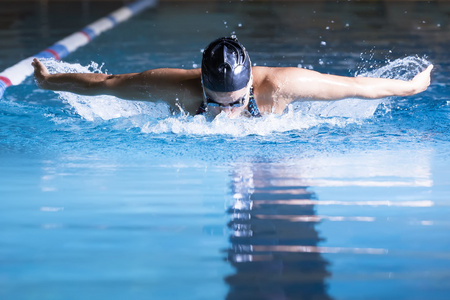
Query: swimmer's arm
{"type": "Point", "coordinates": [306, 84]}
{"type": "Point", "coordinates": [79, 83]}
{"type": "Point", "coordinates": [148, 85]}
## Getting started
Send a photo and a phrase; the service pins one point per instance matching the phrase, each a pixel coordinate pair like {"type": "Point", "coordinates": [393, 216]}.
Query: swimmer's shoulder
{"type": "Point", "coordinates": [269, 83]}
{"type": "Point", "coordinates": [265, 79]}
{"type": "Point", "coordinates": [262, 75]}
{"type": "Point", "coordinates": [271, 72]}
{"type": "Point", "coordinates": [264, 87]}
{"type": "Point", "coordinates": [261, 71]}
{"type": "Point", "coordinates": [271, 79]}
{"type": "Point", "coordinates": [174, 79]}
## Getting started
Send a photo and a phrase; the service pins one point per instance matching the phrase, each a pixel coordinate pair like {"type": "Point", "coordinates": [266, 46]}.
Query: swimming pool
{"type": "Point", "coordinates": [108, 199]}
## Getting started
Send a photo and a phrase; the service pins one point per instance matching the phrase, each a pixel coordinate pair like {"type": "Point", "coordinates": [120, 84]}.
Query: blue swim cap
{"type": "Point", "coordinates": [226, 65]}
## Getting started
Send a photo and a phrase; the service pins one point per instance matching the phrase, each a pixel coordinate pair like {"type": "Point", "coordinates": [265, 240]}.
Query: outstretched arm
{"type": "Point", "coordinates": [150, 85]}
{"type": "Point", "coordinates": [298, 84]}
{"type": "Point", "coordinates": [80, 83]}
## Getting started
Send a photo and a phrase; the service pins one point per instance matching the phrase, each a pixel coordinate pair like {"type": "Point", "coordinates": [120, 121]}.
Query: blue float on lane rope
{"type": "Point", "coordinates": [19, 72]}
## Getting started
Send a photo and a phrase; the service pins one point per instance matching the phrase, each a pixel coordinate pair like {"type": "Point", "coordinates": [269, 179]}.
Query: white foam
{"type": "Point", "coordinates": [103, 107]}
{"type": "Point", "coordinates": [157, 117]}
{"type": "Point", "coordinates": [267, 125]}
{"type": "Point", "coordinates": [403, 69]}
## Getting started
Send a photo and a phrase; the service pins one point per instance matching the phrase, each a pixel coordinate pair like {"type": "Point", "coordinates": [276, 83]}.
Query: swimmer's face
{"type": "Point", "coordinates": [233, 103]}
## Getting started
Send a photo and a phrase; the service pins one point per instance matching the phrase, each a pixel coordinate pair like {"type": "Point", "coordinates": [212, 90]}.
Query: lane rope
{"type": "Point", "coordinates": [17, 73]}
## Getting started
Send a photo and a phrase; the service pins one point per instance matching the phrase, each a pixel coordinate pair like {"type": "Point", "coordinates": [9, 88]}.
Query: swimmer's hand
{"type": "Point", "coordinates": [422, 80]}
{"type": "Point", "coordinates": [40, 73]}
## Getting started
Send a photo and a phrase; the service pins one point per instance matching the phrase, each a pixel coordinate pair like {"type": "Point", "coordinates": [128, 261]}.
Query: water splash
{"type": "Point", "coordinates": [267, 125]}
{"type": "Point", "coordinates": [157, 118]}
{"type": "Point", "coordinates": [402, 69]}
{"type": "Point", "coordinates": [103, 107]}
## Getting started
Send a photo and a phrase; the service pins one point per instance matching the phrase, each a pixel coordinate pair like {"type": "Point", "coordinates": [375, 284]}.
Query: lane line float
{"type": "Point", "coordinates": [17, 73]}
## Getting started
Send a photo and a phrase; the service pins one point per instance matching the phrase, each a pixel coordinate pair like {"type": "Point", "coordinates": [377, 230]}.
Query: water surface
{"type": "Point", "coordinates": [114, 199]}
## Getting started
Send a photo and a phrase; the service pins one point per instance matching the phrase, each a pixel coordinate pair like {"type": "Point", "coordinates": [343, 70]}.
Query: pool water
{"type": "Point", "coordinates": [103, 198]}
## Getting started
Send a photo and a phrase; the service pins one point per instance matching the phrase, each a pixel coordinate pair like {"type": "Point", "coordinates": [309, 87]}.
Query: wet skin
{"type": "Point", "coordinates": [273, 88]}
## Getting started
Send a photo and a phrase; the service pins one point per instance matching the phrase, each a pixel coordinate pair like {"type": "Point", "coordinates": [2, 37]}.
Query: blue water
{"type": "Point", "coordinates": [109, 199]}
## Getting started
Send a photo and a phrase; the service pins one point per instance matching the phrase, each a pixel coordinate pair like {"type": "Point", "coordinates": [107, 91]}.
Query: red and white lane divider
{"type": "Point", "coordinates": [19, 72]}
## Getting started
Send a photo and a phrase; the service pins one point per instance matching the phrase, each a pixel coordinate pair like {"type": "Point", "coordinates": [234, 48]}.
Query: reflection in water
{"type": "Point", "coordinates": [274, 244]}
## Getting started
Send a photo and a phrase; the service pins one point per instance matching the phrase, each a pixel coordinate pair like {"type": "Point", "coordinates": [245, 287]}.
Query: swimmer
{"type": "Point", "coordinates": [227, 82]}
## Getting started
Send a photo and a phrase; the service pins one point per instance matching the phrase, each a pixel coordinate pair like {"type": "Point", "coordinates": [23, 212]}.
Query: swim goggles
{"type": "Point", "coordinates": [238, 103]}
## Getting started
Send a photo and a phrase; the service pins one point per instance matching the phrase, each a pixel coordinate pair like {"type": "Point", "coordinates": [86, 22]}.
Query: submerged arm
{"type": "Point", "coordinates": [305, 84]}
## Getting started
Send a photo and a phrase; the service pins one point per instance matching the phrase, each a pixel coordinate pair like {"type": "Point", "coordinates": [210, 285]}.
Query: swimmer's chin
{"type": "Point", "coordinates": [234, 113]}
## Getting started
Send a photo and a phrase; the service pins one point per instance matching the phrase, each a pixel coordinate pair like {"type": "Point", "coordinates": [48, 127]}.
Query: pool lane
{"type": "Point", "coordinates": [17, 73]}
